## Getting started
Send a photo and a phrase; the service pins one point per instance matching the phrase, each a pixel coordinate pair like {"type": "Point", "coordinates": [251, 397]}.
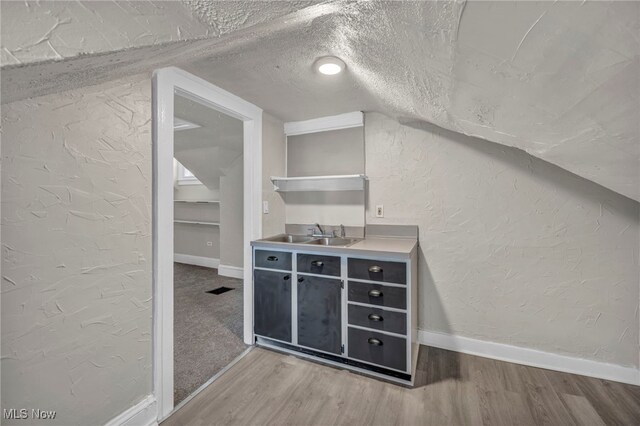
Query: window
{"type": "Point", "coordinates": [185, 177]}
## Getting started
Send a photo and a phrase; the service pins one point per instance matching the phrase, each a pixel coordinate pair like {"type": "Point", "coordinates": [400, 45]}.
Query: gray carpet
{"type": "Point", "coordinates": [207, 329]}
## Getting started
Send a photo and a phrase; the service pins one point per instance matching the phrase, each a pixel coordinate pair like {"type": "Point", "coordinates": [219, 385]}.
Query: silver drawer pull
{"type": "Point", "coordinates": [374, 317]}
{"type": "Point", "coordinates": [318, 263]}
{"type": "Point", "coordinates": [374, 342]}
{"type": "Point", "coordinates": [272, 259]}
{"type": "Point", "coordinates": [375, 293]}
{"type": "Point", "coordinates": [375, 269]}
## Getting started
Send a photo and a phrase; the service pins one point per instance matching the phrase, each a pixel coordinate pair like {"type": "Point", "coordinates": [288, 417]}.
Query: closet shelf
{"type": "Point", "coordinates": [319, 183]}
{"type": "Point", "coordinates": [197, 201]}
{"type": "Point", "coordinates": [195, 222]}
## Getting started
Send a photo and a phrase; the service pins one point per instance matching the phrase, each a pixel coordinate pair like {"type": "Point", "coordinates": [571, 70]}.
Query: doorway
{"type": "Point", "coordinates": [207, 196]}
{"type": "Point", "coordinates": [207, 238]}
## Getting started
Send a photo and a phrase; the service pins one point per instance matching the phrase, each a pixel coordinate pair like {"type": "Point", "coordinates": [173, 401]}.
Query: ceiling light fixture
{"type": "Point", "coordinates": [330, 65]}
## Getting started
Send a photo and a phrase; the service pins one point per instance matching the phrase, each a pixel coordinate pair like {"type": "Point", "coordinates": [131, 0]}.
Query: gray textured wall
{"type": "Point", "coordinates": [513, 249]}
{"type": "Point", "coordinates": [274, 152]}
{"type": "Point", "coordinates": [335, 152]}
{"type": "Point", "coordinates": [76, 252]}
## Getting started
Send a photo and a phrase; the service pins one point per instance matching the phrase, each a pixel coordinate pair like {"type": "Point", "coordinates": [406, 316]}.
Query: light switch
{"type": "Point", "coordinates": [265, 207]}
{"type": "Point", "coordinates": [379, 210]}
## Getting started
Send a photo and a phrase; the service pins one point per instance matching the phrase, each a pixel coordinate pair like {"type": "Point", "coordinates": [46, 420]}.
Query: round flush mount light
{"type": "Point", "coordinates": [329, 65]}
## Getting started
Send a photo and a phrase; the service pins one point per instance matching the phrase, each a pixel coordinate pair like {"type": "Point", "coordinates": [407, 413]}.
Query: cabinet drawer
{"type": "Point", "coordinates": [378, 294]}
{"type": "Point", "coordinates": [378, 348]}
{"type": "Point", "coordinates": [319, 264]}
{"type": "Point", "coordinates": [273, 259]}
{"type": "Point", "coordinates": [379, 319]}
{"type": "Point", "coordinates": [377, 270]}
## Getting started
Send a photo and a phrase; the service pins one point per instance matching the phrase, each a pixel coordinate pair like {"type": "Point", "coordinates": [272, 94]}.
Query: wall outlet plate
{"type": "Point", "coordinates": [265, 207]}
{"type": "Point", "coordinates": [380, 210]}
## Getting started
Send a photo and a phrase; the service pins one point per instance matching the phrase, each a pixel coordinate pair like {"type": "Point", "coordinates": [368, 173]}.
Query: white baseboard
{"type": "Point", "coordinates": [231, 271]}
{"type": "Point", "coordinates": [144, 413]}
{"type": "Point", "coordinates": [208, 262]}
{"type": "Point", "coordinates": [531, 357]}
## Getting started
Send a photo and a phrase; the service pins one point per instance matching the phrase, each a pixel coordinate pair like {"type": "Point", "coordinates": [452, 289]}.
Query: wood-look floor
{"type": "Point", "coordinates": [266, 387]}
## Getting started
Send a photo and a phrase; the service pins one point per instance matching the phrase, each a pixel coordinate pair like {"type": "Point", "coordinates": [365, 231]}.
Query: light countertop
{"type": "Point", "coordinates": [401, 248]}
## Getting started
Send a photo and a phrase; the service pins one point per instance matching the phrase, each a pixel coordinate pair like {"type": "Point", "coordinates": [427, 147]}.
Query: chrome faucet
{"type": "Point", "coordinates": [342, 233]}
{"type": "Point", "coordinates": [320, 230]}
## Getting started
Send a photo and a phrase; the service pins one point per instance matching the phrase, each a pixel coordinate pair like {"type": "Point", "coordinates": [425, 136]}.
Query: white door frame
{"type": "Point", "coordinates": [167, 82]}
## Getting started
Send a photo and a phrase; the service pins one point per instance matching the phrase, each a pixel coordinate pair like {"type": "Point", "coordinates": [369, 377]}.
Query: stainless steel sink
{"type": "Point", "coordinates": [288, 238]}
{"type": "Point", "coordinates": [334, 241]}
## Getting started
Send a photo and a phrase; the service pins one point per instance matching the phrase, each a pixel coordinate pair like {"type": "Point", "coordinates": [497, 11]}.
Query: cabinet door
{"type": "Point", "coordinates": [272, 304]}
{"type": "Point", "coordinates": [319, 313]}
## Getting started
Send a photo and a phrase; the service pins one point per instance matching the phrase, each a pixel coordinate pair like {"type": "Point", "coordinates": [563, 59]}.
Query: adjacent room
{"type": "Point", "coordinates": [207, 247]}
{"type": "Point", "coordinates": [320, 212]}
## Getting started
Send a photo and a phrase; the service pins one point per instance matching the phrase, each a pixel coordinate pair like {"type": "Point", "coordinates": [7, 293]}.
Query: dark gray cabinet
{"type": "Point", "coordinates": [320, 313]}
{"type": "Point", "coordinates": [329, 305]}
{"type": "Point", "coordinates": [378, 319]}
{"type": "Point", "coordinates": [273, 259]}
{"type": "Point", "coordinates": [376, 294]}
{"type": "Point", "coordinates": [272, 304]}
{"type": "Point", "coordinates": [378, 270]}
{"type": "Point", "coordinates": [378, 348]}
{"type": "Point", "coordinates": [319, 264]}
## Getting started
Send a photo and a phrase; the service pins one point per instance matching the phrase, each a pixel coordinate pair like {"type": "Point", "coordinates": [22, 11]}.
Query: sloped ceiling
{"type": "Point", "coordinates": [209, 150]}
{"type": "Point", "coordinates": [559, 80]}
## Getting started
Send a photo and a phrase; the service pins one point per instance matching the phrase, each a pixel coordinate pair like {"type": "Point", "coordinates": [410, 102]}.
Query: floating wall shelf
{"type": "Point", "coordinates": [319, 183]}
{"type": "Point", "coordinates": [195, 222]}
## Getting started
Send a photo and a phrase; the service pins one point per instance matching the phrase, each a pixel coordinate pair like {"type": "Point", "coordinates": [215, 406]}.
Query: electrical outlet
{"type": "Point", "coordinates": [379, 210]}
{"type": "Point", "coordinates": [209, 244]}
{"type": "Point", "coordinates": [265, 207]}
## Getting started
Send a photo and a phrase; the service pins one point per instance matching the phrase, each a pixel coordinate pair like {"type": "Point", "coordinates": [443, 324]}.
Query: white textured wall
{"type": "Point", "coordinates": [274, 153]}
{"type": "Point", "coordinates": [512, 249]}
{"type": "Point", "coordinates": [34, 31]}
{"type": "Point", "coordinates": [76, 252]}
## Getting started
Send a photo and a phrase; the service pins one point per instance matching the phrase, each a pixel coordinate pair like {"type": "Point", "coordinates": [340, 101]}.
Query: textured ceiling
{"type": "Point", "coordinates": [559, 80]}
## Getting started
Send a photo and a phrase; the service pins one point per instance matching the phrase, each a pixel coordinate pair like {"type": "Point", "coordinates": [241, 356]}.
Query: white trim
{"type": "Point", "coordinates": [144, 413]}
{"type": "Point", "coordinates": [531, 357]}
{"type": "Point", "coordinates": [207, 262]}
{"type": "Point", "coordinates": [323, 124]}
{"type": "Point", "coordinates": [166, 83]}
{"type": "Point", "coordinates": [231, 271]}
